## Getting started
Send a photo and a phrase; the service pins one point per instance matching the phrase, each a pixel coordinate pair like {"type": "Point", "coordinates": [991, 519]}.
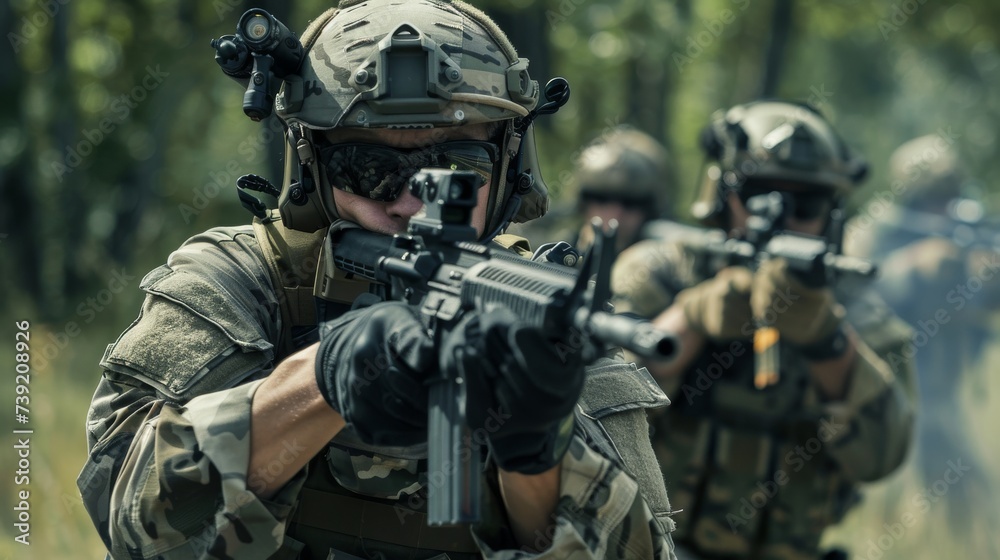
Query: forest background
{"type": "Point", "coordinates": [120, 138]}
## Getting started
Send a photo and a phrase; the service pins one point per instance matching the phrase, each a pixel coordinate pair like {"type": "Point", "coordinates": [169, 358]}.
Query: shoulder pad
{"type": "Point", "coordinates": [613, 422]}
{"type": "Point", "coordinates": [614, 386]}
{"type": "Point", "coordinates": [207, 319]}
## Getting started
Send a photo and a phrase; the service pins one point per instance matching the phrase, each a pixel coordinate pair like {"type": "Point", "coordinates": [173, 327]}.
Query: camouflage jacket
{"type": "Point", "coordinates": [761, 473]}
{"type": "Point", "coordinates": [168, 434]}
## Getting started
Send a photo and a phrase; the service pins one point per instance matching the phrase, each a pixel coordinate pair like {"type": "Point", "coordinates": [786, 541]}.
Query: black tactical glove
{"type": "Point", "coordinates": [522, 387]}
{"type": "Point", "coordinates": [371, 367]}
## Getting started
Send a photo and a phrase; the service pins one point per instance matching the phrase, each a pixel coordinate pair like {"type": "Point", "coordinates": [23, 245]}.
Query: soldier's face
{"type": "Point", "coordinates": [392, 217]}
{"type": "Point", "coordinates": [629, 217]}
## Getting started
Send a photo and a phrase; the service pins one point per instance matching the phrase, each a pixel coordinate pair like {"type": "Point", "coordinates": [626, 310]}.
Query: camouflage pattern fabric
{"type": "Point", "coordinates": [761, 474]}
{"type": "Point", "coordinates": [333, 97]}
{"type": "Point", "coordinates": [169, 425]}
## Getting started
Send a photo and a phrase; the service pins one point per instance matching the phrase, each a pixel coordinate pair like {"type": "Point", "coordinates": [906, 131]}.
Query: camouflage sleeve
{"type": "Point", "coordinates": [601, 514]}
{"type": "Point", "coordinates": [168, 428]}
{"type": "Point", "coordinates": [872, 427]}
{"type": "Point", "coordinates": [169, 481]}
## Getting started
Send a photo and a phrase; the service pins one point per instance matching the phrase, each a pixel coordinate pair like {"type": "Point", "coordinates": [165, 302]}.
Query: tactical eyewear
{"type": "Point", "coordinates": [380, 173]}
{"type": "Point", "coordinates": [805, 205]}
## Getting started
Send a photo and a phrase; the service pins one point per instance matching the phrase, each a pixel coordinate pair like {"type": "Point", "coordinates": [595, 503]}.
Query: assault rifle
{"type": "Point", "coordinates": [439, 267]}
{"type": "Point", "coordinates": [964, 223]}
{"type": "Point", "coordinates": [816, 260]}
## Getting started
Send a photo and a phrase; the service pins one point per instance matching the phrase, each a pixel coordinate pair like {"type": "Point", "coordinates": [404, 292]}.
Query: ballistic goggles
{"type": "Point", "coordinates": [805, 205]}
{"type": "Point", "coordinates": [381, 173]}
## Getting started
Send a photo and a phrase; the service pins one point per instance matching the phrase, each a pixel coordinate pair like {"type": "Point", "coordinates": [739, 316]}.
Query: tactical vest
{"type": "Point", "coordinates": [356, 503]}
{"type": "Point", "coordinates": [747, 469]}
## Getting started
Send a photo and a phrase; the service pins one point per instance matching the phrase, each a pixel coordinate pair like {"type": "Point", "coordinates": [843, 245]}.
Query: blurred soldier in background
{"type": "Point", "coordinates": [622, 175]}
{"type": "Point", "coordinates": [939, 262]}
{"type": "Point", "coordinates": [761, 472]}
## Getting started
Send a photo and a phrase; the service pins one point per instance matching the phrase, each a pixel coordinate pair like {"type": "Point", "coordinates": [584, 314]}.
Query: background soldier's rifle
{"type": "Point", "coordinates": [816, 260]}
{"type": "Point", "coordinates": [440, 267]}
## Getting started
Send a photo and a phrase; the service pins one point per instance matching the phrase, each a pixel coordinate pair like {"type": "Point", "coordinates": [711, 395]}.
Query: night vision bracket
{"type": "Point", "coordinates": [261, 54]}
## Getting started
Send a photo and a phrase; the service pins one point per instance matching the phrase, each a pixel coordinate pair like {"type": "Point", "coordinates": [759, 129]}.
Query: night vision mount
{"type": "Point", "coordinates": [261, 54]}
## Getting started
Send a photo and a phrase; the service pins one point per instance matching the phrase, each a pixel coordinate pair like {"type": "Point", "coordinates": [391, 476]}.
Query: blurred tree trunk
{"type": "Point", "coordinates": [648, 93]}
{"type": "Point", "coordinates": [68, 209]}
{"type": "Point", "coordinates": [774, 56]}
{"type": "Point", "coordinates": [18, 213]}
{"type": "Point", "coordinates": [527, 28]}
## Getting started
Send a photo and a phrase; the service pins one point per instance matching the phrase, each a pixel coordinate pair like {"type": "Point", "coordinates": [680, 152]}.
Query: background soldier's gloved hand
{"type": "Point", "coordinates": [803, 314]}
{"type": "Point", "coordinates": [371, 367]}
{"type": "Point", "coordinates": [523, 385]}
{"type": "Point", "coordinates": [719, 307]}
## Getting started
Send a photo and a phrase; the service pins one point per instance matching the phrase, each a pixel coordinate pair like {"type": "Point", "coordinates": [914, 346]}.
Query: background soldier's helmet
{"type": "Point", "coordinates": [927, 171]}
{"type": "Point", "coordinates": [626, 166]}
{"type": "Point", "coordinates": [422, 64]}
{"type": "Point", "coordinates": [772, 141]}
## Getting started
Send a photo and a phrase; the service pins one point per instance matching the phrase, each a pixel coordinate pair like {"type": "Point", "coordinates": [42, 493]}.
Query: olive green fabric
{"type": "Point", "coordinates": [760, 474]}
{"type": "Point", "coordinates": [719, 307]}
{"type": "Point", "coordinates": [801, 314]}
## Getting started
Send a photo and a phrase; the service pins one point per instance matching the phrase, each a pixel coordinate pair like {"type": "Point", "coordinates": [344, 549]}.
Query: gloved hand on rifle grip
{"type": "Point", "coordinates": [529, 379]}
{"type": "Point", "coordinates": [371, 367]}
{"type": "Point", "coordinates": [803, 314]}
{"type": "Point", "coordinates": [719, 307]}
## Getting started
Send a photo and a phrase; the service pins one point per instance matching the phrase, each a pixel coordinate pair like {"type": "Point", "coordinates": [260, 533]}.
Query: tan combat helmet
{"type": "Point", "coordinates": [627, 166]}
{"type": "Point", "coordinates": [772, 141]}
{"type": "Point", "coordinates": [927, 170]}
{"type": "Point", "coordinates": [407, 65]}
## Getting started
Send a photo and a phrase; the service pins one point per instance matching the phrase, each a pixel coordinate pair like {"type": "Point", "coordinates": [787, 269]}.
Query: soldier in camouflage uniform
{"type": "Point", "coordinates": [760, 473]}
{"type": "Point", "coordinates": [939, 267]}
{"type": "Point", "coordinates": [227, 425]}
